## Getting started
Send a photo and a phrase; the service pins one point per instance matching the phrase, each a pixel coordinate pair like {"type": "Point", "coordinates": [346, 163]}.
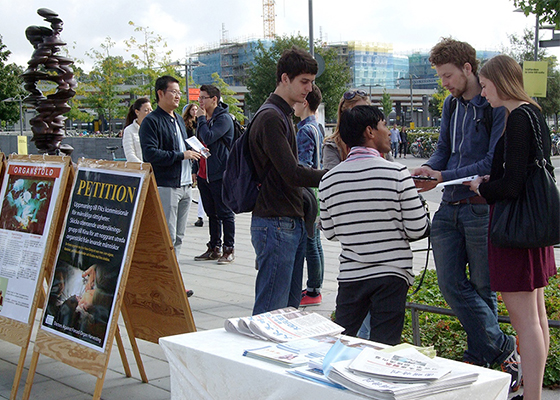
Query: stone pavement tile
{"type": "Point", "coordinates": [54, 390]}
{"type": "Point", "coordinates": [136, 390]}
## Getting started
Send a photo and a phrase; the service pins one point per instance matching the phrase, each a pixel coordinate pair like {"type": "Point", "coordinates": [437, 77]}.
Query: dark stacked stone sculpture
{"type": "Point", "coordinates": [46, 65]}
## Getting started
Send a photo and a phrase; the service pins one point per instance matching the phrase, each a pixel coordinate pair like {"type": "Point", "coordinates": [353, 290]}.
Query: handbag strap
{"type": "Point", "coordinates": [535, 124]}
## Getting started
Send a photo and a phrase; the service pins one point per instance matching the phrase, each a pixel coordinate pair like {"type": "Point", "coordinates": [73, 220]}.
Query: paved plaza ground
{"type": "Point", "coordinates": [220, 292]}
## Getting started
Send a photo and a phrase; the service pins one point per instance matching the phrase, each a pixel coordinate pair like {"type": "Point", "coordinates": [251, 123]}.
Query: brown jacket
{"type": "Point", "coordinates": [275, 157]}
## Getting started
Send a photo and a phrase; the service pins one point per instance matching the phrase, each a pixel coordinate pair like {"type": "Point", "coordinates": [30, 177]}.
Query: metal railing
{"type": "Point", "coordinates": [416, 309]}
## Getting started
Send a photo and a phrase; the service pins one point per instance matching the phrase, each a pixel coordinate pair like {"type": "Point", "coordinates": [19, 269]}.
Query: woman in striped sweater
{"type": "Point", "coordinates": [372, 207]}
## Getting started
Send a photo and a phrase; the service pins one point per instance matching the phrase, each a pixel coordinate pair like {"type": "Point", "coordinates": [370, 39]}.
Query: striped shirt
{"type": "Point", "coordinates": [372, 207]}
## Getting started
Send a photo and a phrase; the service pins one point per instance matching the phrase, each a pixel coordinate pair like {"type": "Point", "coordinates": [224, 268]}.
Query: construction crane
{"type": "Point", "coordinates": [268, 19]}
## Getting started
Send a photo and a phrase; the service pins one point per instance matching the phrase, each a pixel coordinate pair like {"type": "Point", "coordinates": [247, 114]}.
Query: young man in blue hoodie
{"type": "Point", "coordinates": [215, 130]}
{"type": "Point", "coordinates": [460, 226]}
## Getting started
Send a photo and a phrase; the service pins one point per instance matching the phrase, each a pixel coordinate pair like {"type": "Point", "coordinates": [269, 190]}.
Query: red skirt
{"type": "Point", "coordinates": [519, 270]}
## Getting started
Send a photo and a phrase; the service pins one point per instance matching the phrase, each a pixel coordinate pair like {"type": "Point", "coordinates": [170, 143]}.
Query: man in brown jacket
{"type": "Point", "coordinates": [277, 228]}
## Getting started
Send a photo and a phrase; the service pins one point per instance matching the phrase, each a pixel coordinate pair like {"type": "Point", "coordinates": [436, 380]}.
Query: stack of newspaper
{"type": "Point", "coordinates": [400, 375]}
{"type": "Point", "coordinates": [283, 325]}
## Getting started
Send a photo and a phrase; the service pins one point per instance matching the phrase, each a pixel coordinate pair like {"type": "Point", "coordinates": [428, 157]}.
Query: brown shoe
{"type": "Point", "coordinates": [227, 257]}
{"type": "Point", "coordinates": [209, 255]}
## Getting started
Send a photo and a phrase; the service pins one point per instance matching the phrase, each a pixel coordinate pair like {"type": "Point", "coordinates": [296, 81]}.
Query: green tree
{"type": "Point", "coordinates": [262, 76]}
{"type": "Point", "coordinates": [435, 105]}
{"type": "Point", "coordinates": [10, 86]}
{"type": "Point", "coordinates": [227, 97]}
{"type": "Point", "coordinates": [151, 57]}
{"type": "Point", "coordinates": [547, 10]}
{"type": "Point", "coordinates": [105, 81]}
{"type": "Point", "coordinates": [386, 103]}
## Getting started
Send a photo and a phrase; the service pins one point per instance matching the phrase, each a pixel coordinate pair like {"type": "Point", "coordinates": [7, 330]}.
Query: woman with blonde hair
{"type": "Point", "coordinates": [520, 274]}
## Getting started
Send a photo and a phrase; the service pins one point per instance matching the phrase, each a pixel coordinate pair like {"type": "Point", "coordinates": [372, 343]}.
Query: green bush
{"type": "Point", "coordinates": [447, 336]}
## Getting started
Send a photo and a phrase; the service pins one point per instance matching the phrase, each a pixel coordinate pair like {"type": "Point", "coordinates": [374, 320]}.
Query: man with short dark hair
{"type": "Point", "coordinates": [215, 131]}
{"type": "Point", "coordinates": [460, 226]}
{"type": "Point", "coordinates": [163, 140]}
{"type": "Point", "coordinates": [277, 229]}
{"type": "Point", "coordinates": [372, 207]}
{"type": "Point", "coordinates": [309, 142]}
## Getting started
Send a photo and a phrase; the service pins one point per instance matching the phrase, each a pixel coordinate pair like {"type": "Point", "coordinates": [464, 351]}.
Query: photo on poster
{"type": "Point", "coordinates": [3, 287]}
{"type": "Point", "coordinates": [26, 203]}
{"type": "Point", "coordinates": [91, 256]}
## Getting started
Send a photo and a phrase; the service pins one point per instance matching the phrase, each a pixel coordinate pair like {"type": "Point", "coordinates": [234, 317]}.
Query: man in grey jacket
{"type": "Point", "coordinates": [460, 226]}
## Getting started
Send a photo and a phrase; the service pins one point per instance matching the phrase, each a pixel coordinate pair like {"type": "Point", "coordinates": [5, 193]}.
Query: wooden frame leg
{"type": "Point", "coordinates": [122, 353]}
{"type": "Point", "coordinates": [31, 375]}
{"type": "Point", "coordinates": [134, 345]}
{"type": "Point", "coordinates": [19, 373]}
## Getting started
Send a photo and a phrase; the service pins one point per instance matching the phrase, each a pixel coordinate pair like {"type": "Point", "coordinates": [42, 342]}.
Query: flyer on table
{"type": "Point", "coordinates": [29, 192]}
{"type": "Point", "coordinates": [91, 256]}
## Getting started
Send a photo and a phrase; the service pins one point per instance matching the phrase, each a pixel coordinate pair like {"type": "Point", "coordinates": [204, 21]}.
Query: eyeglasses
{"type": "Point", "coordinates": [175, 92]}
{"type": "Point", "coordinates": [202, 98]}
{"type": "Point", "coordinates": [349, 95]}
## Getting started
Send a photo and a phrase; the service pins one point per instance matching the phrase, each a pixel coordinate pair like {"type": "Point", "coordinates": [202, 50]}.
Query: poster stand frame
{"type": "Point", "coordinates": [151, 265]}
{"type": "Point", "coordinates": [17, 332]}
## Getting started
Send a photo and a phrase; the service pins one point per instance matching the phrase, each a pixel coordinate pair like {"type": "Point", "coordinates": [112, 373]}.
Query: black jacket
{"type": "Point", "coordinates": [217, 134]}
{"type": "Point", "coordinates": [160, 146]}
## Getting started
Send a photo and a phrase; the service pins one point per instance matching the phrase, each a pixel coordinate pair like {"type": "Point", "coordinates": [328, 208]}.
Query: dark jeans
{"type": "Point", "coordinates": [219, 215]}
{"type": "Point", "coordinates": [315, 262]}
{"type": "Point", "coordinates": [384, 298]}
{"type": "Point", "coordinates": [403, 148]}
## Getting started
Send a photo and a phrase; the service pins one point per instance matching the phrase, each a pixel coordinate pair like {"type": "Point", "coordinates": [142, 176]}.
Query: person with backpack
{"type": "Point", "coordinates": [459, 232]}
{"type": "Point", "coordinates": [309, 141]}
{"type": "Point", "coordinates": [216, 131]}
{"type": "Point", "coordinates": [277, 229]}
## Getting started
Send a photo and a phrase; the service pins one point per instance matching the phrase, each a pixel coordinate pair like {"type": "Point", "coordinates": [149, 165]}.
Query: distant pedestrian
{"type": "Point", "coordinates": [395, 141]}
{"type": "Point", "coordinates": [130, 139]}
{"type": "Point", "coordinates": [215, 131]}
{"type": "Point", "coordinates": [404, 142]}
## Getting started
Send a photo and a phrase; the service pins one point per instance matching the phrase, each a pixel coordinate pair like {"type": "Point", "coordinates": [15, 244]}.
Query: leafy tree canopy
{"type": "Point", "coordinates": [262, 76]}
{"type": "Point", "coordinates": [227, 97]}
{"type": "Point", "coordinates": [10, 87]}
{"type": "Point", "coordinates": [386, 103]}
{"type": "Point", "coordinates": [546, 9]}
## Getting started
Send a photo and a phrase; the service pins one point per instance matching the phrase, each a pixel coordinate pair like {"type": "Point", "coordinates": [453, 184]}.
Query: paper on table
{"type": "Point", "coordinates": [198, 146]}
{"type": "Point", "coordinates": [458, 181]}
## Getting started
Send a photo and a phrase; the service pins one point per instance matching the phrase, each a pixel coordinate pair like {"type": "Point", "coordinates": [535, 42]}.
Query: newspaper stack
{"type": "Point", "coordinates": [283, 325]}
{"type": "Point", "coordinates": [401, 375]}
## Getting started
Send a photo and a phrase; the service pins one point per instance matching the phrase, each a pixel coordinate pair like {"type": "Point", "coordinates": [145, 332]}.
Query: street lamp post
{"type": "Point", "coordinates": [19, 100]}
{"type": "Point", "coordinates": [188, 65]}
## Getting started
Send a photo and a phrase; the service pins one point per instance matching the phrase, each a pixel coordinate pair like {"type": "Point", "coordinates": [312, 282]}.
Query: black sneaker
{"type": "Point", "coordinates": [199, 222]}
{"type": "Point", "coordinates": [512, 365]}
{"type": "Point", "coordinates": [189, 293]}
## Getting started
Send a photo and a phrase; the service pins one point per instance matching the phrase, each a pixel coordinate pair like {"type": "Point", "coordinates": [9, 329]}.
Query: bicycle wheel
{"type": "Point", "coordinates": [415, 150]}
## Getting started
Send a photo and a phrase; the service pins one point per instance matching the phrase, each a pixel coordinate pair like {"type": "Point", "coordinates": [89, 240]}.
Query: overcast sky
{"type": "Point", "coordinates": [188, 24]}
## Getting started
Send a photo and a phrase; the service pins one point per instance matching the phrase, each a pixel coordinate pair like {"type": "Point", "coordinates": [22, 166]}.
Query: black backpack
{"type": "Point", "coordinates": [238, 129]}
{"type": "Point", "coordinates": [240, 183]}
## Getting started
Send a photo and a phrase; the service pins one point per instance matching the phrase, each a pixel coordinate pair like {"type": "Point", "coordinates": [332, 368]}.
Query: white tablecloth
{"type": "Point", "coordinates": [210, 365]}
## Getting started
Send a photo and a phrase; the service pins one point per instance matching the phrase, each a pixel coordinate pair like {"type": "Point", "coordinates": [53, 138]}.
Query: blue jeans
{"type": "Point", "coordinates": [279, 245]}
{"type": "Point", "coordinates": [459, 238]}
{"type": "Point", "coordinates": [395, 148]}
{"type": "Point", "coordinates": [315, 262]}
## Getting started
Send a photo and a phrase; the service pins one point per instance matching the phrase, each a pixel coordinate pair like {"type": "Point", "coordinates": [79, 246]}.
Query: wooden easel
{"type": "Point", "coordinates": [155, 302]}
{"type": "Point", "coordinates": [17, 332]}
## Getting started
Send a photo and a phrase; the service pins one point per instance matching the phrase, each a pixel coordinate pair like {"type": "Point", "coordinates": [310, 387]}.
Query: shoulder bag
{"type": "Point", "coordinates": [531, 220]}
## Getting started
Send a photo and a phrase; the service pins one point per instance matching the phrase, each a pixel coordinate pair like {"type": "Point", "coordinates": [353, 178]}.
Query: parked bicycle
{"type": "Point", "coordinates": [423, 147]}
